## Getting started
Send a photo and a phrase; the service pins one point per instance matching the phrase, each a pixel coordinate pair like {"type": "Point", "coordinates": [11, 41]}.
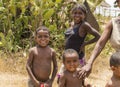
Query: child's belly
{"type": "Point", "coordinates": [42, 71]}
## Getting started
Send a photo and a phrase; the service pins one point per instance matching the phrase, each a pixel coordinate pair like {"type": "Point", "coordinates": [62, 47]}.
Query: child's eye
{"type": "Point", "coordinates": [46, 36]}
{"type": "Point", "coordinates": [75, 12]}
{"type": "Point", "coordinates": [39, 36]}
{"type": "Point", "coordinates": [74, 60]}
{"type": "Point", "coordinates": [68, 61]}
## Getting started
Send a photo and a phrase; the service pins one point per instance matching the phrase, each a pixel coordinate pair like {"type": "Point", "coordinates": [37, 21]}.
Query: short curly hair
{"type": "Point", "coordinates": [69, 51]}
{"type": "Point", "coordinates": [79, 6]}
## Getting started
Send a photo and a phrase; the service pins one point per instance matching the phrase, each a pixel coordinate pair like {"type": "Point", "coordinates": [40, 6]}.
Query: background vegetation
{"type": "Point", "coordinates": [20, 18]}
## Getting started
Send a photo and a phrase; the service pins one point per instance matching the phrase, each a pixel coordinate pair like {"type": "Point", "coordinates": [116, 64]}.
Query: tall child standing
{"type": "Point", "coordinates": [40, 59]}
{"type": "Point", "coordinates": [77, 33]}
{"type": "Point", "coordinates": [75, 36]}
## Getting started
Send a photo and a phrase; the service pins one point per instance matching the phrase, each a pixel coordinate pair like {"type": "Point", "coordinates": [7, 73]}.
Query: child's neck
{"type": "Point", "coordinates": [71, 71]}
{"type": "Point", "coordinates": [77, 24]}
{"type": "Point", "coordinates": [116, 77]}
{"type": "Point", "coordinates": [41, 46]}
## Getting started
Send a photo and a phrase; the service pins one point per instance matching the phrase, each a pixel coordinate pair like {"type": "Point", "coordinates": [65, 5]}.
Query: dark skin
{"type": "Point", "coordinates": [40, 61]}
{"type": "Point", "coordinates": [67, 80]}
{"type": "Point", "coordinates": [85, 28]}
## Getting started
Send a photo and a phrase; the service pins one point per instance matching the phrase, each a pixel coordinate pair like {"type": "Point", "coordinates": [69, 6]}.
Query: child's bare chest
{"type": "Point", "coordinates": [116, 83]}
{"type": "Point", "coordinates": [43, 55]}
{"type": "Point", "coordinates": [73, 81]}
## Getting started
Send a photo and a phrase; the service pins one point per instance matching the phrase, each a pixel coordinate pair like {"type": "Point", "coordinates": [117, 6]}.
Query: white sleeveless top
{"type": "Point", "coordinates": [115, 35]}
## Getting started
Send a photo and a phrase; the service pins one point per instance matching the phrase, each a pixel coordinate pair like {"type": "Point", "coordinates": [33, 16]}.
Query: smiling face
{"type": "Point", "coordinates": [71, 62]}
{"type": "Point", "coordinates": [78, 15]}
{"type": "Point", "coordinates": [42, 38]}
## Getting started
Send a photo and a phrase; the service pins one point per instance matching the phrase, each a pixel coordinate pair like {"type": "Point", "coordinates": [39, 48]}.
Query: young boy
{"type": "Point", "coordinates": [40, 58]}
{"type": "Point", "coordinates": [68, 77]}
{"type": "Point", "coordinates": [115, 66]}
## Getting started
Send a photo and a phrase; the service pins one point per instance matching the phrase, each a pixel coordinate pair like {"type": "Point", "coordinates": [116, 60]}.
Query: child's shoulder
{"type": "Point", "coordinates": [32, 49]}
{"type": "Point", "coordinates": [84, 24]}
{"type": "Point", "coordinates": [53, 51]}
{"type": "Point", "coordinates": [64, 74]}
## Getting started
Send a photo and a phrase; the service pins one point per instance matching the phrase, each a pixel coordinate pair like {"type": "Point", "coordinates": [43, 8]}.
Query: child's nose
{"type": "Point", "coordinates": [43, 37]}
{"type": "Point", "coordinates": [72, 63]}
{"type": "Point", "coordinates": [77, 15]}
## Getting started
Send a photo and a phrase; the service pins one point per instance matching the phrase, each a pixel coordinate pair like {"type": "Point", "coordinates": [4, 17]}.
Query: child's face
{"type": "Point", "coordinates": [42, 38]}
{"type": "Point", "coordinates": [78, 15]}
{"type": "Point", "coordinates": [71, 62]}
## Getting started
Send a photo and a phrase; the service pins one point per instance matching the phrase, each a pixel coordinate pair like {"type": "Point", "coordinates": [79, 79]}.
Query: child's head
{"type": "Point", "coordinates": [115, 63]}
{"type": "Point", "coordinates": [70, 60]}
{"type": "Point", "coordinates": [42, 36]}
{"type": "Point", "coordinates": [79, 13]}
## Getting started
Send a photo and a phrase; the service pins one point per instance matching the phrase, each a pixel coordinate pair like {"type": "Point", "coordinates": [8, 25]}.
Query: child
{"type": "Point", "coordinates": [39, 61]}
{"type": "Point", "coordinates": [75, 36]}
{"type": "Point", "coordinates": [68, 77]}
{"type": "Point", "coordinates": [115, 66]}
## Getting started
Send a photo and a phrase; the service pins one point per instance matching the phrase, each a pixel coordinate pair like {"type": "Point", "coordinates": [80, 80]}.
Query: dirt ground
{"type": "Point", "coordinates": [98, 78]}
{"type": "Point", "coordinates": [19, 80]}
{"type": "Point", "coordinates": [13, 71]}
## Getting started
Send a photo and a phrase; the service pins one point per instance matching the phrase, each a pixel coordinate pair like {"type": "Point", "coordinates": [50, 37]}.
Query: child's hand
{"type": "Point", "coordinates": [44, 85]}
{"type": "Point", "coordinates": [49, 83]}
{"type": "Point", "coordinates": [37, 84]}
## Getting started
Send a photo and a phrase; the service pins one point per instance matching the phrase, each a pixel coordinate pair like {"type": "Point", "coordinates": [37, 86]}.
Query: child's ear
{"type": "Point", "coordinates": [113, 68]}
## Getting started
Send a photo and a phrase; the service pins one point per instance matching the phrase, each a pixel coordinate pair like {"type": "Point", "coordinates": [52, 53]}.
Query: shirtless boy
{"type": "Point", "coordinates": [40, 60]}
{"type": "Point", "coordinates": [68, 77]}
{"type": "Point", "coordinates": [115, 66]}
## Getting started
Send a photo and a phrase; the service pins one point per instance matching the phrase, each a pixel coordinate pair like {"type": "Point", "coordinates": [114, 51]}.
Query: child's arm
{"type": "Point", "coordinates": [61, 81]}
{"type": "Point", "coordinates": [28, 67]}
{"type": "Point", "coordinates": [55, 68]}
{"type": "Point", "coordinates": [89, 29]}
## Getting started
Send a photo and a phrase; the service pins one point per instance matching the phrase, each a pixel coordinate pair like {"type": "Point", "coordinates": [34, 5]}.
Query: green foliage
{"type": "Point", "coordinates": [20, 18]}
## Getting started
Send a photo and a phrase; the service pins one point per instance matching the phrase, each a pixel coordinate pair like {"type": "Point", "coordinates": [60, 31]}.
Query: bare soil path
{"type": "Point", "coordinates": [19, 80]}
{"type": "Point", "coordinates": [12, 80]}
